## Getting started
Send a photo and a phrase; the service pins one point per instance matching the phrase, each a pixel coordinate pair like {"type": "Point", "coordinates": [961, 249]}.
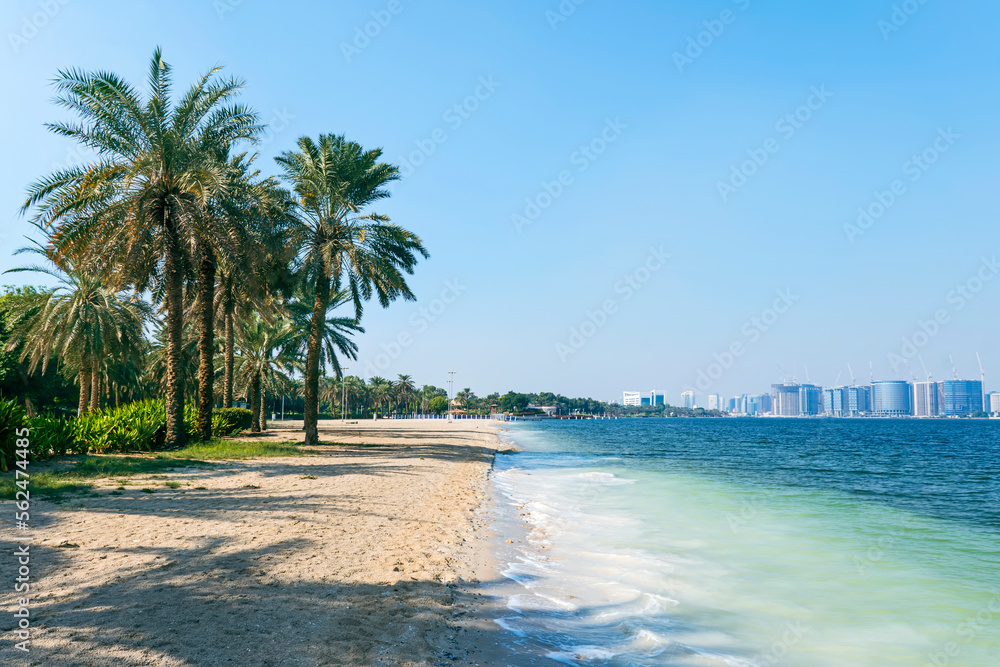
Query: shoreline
{"type": "Point", "coordinates": [378, 550]}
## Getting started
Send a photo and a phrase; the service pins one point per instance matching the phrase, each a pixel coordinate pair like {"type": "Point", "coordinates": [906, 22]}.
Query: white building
{"type": "Point", "coordinates": [714, 402]}
{"type": "Point", "coordinates": [687, 398]}
{"type": "Point", "coordinates": [631, 398]}
{"type": "Point", "coordinates": [995, 403]}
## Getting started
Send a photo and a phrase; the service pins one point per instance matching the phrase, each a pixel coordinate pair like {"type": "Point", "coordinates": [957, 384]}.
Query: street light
{"type": "Point", "coordinates": [451, 392]}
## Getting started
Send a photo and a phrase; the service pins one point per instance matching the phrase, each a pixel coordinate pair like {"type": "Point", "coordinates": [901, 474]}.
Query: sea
{"type": "Point", "coordinates": [751, 542]}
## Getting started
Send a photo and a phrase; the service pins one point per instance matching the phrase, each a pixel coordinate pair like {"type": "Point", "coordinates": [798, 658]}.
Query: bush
{"type": "Point", "coordinates": [12, 417]}
{"type": "Point", "coordinates": [136, 426]}
{"type": "Point", "coordinates": [51, 435]}
{"type": "Point", "coordinates": [230, 421]}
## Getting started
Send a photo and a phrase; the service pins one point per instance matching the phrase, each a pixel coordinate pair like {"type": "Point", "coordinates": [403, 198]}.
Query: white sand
{"type": "Point", "coordinates": [352, 556]}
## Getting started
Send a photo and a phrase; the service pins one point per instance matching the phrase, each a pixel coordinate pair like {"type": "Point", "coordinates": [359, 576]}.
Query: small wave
{"type": "Point", "coordinates": [608, 478]}
{"type": "Point", "coordinates": [576, 654]}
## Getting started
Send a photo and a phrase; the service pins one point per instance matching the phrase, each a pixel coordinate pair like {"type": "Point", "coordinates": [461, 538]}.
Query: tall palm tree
{"type": "Point", "coordinates": [140, 207]}
{"type": "Point", "coordinates": [357, 394]}
{"type": "Point", "coordinates": [405, 390]}
{"type": "Point", "coordinates": [380, 390]}
{"type": "Point", "coordinates": [266, 357]}
{"type": "Point", "coordinates": [340, 246]}
{"type": "Point", "coordinates": [237, 267]}
{"type": "Point", "coordinates": [82, 322]}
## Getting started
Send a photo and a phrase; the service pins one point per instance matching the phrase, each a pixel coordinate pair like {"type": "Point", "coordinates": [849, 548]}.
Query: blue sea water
{"type": "Point", "coordinates": [754, 542]}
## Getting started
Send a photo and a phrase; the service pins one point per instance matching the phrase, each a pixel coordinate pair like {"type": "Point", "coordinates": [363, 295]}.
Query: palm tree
{"type": "Point", "coordinates": [266, 357]}
{"type": "Point", "coordinates": [405, 390]}
{"type": "Point", "coordinates": [379, 390]}
{"type": "Point", "coordinates": [357, 393]}
{"type": "Point", "coordinates": [341, 247]}
{"type": "Point", "coordinates": [141, 206]}
{"type": "Point", "coordinates": [335, 335]}
{"type": "Point", "coordinates": [86, 324]}
{"type": "Point", "coordinates": [233, 274]}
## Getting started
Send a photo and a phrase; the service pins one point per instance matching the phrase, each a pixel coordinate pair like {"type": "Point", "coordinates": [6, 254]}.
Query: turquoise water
{"type": "Point", "coordinates": [755, 542]}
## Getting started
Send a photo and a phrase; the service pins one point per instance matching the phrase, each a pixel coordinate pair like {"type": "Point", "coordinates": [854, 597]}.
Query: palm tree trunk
{"type": "Point", "coordinates": [95, 387]}
{"type": "Point", "coordinates": [255, 404]}
{"type": "Point", "coordinates": [175, 336]}
{"type": "Point", "coordinates": [227, 390]}
{"type": "Point", "coordinates": [206, 342]}
{"type": "Point", "coordinates": [85, 382]}
{"type": "Point", "coordinates": [316, 324]}
{"type": "Point", "coordinates": [263, 409]}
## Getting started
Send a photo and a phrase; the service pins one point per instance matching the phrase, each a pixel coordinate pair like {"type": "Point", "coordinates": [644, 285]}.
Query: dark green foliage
{"type": "Point", "coordinates": [12, 418]}
{"type": "Point", "coordinates": [230, 421]}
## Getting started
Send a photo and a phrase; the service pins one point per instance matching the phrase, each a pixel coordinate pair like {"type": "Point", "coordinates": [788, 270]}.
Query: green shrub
{"type": "Point", "coordinates": [51, 435]}
{"type": "Point", "coordinates": [135, 426]}
{"type": "Point", "coordinates": [12, 417]}
{"type": "Point", "coordinates": [230, 421]}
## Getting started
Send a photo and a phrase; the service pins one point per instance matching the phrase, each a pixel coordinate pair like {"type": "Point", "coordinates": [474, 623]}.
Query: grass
{"type": "Point", "coordinates": [218, 449]}
{"type": "Point", "coordinates": [73, 473]}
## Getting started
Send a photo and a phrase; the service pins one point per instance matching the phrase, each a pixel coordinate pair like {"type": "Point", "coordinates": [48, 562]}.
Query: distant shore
{"type": "Point", "coordinates": [370, 551]}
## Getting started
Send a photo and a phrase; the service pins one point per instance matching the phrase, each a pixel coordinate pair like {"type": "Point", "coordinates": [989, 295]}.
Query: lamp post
{"type": "Point", "coordinates": [451, 392]}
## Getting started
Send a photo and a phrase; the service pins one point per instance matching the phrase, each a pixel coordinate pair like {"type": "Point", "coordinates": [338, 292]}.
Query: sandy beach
{"type": "Point", "coordinates": [367, 552]}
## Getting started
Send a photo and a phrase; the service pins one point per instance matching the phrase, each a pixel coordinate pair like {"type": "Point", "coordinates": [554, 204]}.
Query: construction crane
{"type": "Point", "coordinates": [871, 367]}
{"type": "Point", "coordinates": [927, 372]}
{"type": "Point", "coordinates": [853, 382]}
{"type": "Point", "coordinates": [836, 383]}
{"type": "Point", "coordinates": [954, 371]}
{"type": "Point", "coordinates": [808, 379]}
{"type": "Point", "coordinates": [909, 370]}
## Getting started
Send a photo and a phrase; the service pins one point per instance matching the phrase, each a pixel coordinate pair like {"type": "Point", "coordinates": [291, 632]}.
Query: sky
{"type": "Point", "coordinates": [615, 196]}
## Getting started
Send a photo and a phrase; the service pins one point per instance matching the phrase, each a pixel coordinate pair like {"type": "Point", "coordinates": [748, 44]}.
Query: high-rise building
{"type": "Point", "coordinates": [633, 398]}
{"type": "Point", "coordinates": [962, 397]}
{"type": "Point", "coordinates": [656, 398]}
{"type": "Point", "coordinates": [714, 402]}
{"type": "Point", "coordinates": [928, 399]}
{"type": "Point", "coordinates": [645, 401]}
{"type": "Point", "coordinates": [810, 400]}
{"type": "Point", "coordinates": [785, 400]}
{"type": "Point", "coordinates": [687, 398]}
{"type": "Point", "coordinates": [759, 404]}
{"type": "Point", "coordinates": [835, 401]}
{"type": "Point", "coordinates": [891, 398]}
{"type": "Point", "coordinates": [995, 403]}
{"type": "Point", "coordinates": [859, 400]}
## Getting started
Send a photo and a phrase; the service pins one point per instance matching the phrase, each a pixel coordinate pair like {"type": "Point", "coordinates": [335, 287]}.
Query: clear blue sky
{"type": "Point", "coordinates": [676, 131]}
